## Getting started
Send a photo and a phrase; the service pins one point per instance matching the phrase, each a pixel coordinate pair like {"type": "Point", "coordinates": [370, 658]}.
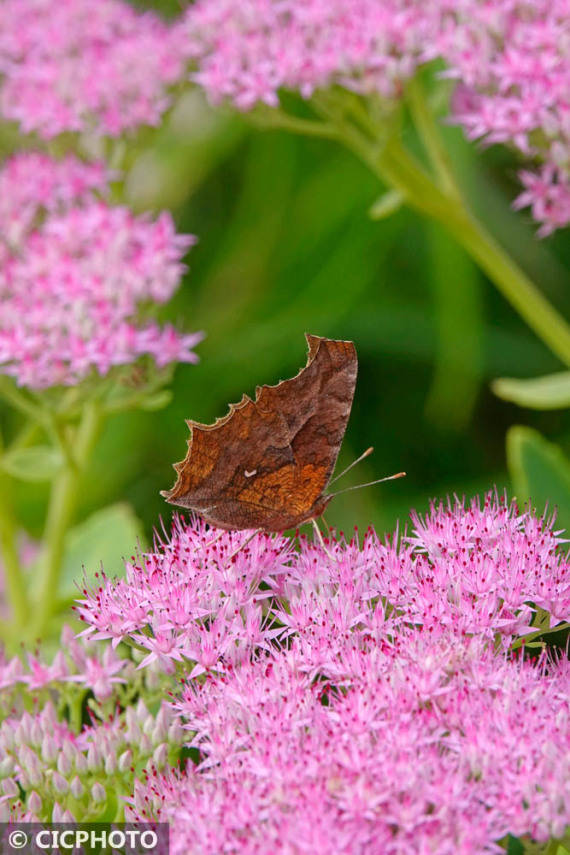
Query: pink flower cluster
{"type": "Point", "coordinates": [79, 66]}
{"type": "Point", "coordinates": [358, 698]}
{"type": "Point", "coordinates": [199, 597]}
{"type": "Point", "coordinates": [510, 58]}
{"type": "Point", "coordinates": [248, 51]}
{"type": "Point", "coordinates": [75, 271]}
{"type": "Point", "coordinates": [193, 599]}
{"type": "Point", "coordinates": [423, 743]}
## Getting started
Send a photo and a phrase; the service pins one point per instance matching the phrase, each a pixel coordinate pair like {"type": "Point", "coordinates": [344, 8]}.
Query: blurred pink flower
{"type": "Point", "coordinates": [547, 193]}
{"type": "Point", "coordinates": [95, 667]}
{"type": "Point", "coordinates": [248, 51]}
{"type": "Point", "coordinates": [75, 272]}
{"type": "Point", "coordinates": [33, 184]}
{"type": "Point", "coordinates": [28, 551]}
{"type": "Point", "coordinates": [509, 57]}
{"type": "Point", "coordinates": [72, 65]}
{"type": "Point", "coordinates": [511, 60]}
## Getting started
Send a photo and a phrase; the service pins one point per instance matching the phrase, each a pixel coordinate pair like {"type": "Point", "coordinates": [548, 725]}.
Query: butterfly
{"type": "Point", "coordinates": [267, 463]}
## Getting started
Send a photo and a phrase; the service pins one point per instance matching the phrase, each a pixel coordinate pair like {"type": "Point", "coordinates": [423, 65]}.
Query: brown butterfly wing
{"type": "Point", "coordinates": [316, 403]}
{"type": "Point", "coordinates": [266, 464]}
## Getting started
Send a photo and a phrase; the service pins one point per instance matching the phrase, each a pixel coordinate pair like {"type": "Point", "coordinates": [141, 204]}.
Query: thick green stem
{"type": "Point", "coordinates": [516, 287]}
{"type": "Point", "coordinates": [62, 503]}
{"type": "Point", "coordinates": [396, 167]}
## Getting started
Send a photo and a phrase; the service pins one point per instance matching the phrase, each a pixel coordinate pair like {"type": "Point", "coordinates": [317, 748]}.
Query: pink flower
{"type": "Point", "coordinates": [99, 674]}
{"type": "Point", "coordinates": [73, 65]}
{"type": "Point", "coordinates": [32, 184]}
{"type": "Point", "coordinates": [41, 675]}
{"type": "Point", "coordinates": [96, 667]}
{"type": "Point", "coordinates": [547, 193]}
{"type": "Point", "coordinates": [74, 274]}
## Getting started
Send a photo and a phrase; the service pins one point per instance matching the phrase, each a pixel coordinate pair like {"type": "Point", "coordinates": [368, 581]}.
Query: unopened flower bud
{"type": "Point", "coordinates": [34, 803]}
{"type": "Point", "coordinates": [64, 764]}
{"type": "Point", "coordinates": [10, 787]}
{"type": "Point", "coordinates": [30, 763]}
{"type": "Point", "coordinates": [125, 760]}
{"type": "Point", "coordinates": [93, 758]}
{"type": "Point", "coordinates": [175, 732]}
{"type": "Point", "coordinates": [49, 748]}
{"type": "Point", "coordinates": [76, 787]}
{"type": "Point", "coordinates": [98, 793]}
{"type": "Point", "coordinates": [60, 785]}
{"type": "Point", "coordinates": [6, 766]}
{"type": "Point", "coordinates": [160, 755]}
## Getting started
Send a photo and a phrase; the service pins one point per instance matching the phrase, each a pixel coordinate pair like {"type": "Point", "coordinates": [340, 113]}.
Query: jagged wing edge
{"type": "Point", "coordinates": [313, 342]}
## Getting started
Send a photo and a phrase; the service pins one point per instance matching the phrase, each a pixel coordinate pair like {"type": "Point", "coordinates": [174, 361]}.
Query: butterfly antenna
{"type": "Point", "coordinates": [367, 453]}
{"type": "Point", "coordinates": [369, 484]}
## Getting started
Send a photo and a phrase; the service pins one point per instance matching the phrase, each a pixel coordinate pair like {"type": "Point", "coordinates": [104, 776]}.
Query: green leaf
{"type": "Point", "coordinates": [550, 392]}
{"type": "Point", "coordinates": [37, 463]}
{"type": "Point", "coordinates": [386, 205]}
{"type": "Point", "coordinates": [540, 472]}
{"type": "Point", "coordinates": [106, 537]}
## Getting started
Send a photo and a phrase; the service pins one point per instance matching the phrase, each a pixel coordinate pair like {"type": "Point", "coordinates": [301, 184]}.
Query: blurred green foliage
{"type": "Point", "coordinates": [287, 246]}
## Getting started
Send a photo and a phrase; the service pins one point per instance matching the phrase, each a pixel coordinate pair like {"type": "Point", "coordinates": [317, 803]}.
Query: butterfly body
{"type": "Point", "coordinates": [266, 464]}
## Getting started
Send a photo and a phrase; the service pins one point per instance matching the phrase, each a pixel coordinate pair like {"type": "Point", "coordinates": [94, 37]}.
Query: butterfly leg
{"type": "Point", "coordinates": [244, 544]}
{"type": "Point", "coordinates": [211, 542]}
{"type": "Point", "coordinates": [320, 538]}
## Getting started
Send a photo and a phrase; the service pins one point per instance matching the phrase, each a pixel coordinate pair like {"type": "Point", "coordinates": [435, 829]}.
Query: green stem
{"type": "Point", "coordinates": [516, 287]}
{"type": "Point", "coordinates": [62, 503]}
{"type": "Point", "coordinates": [525, 639]}
{"type": "Point", "coordinates": [15, 587]}
{"type": "Point", "coordinates": [429, 134]}
{"type": "Point", "coordinates": [268, 117]}
{"type": "Point", "coordinates": [75, 706]}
